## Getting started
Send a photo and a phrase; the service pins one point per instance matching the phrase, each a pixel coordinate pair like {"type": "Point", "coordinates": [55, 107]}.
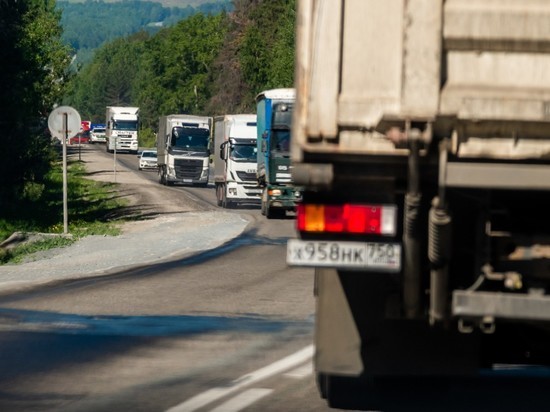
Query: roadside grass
{"type": "Point", "coordinates": [94, 208]}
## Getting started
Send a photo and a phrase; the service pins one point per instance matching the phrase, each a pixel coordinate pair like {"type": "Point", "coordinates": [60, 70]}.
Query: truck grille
{"type": "Point", "coordinates": [246, 177]}
{"type": "Point", "coordinates": [188, 168]}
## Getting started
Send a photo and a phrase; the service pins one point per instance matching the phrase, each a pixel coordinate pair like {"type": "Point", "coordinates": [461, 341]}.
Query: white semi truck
{"type": "Point", "coordinates": [421, 137]}
{"type": "Point", "coordinates": [235, 161]}
{"type": "Point", "coordinates": [183, 149]}
{"type": "Point", "coordinates": [121, 131]}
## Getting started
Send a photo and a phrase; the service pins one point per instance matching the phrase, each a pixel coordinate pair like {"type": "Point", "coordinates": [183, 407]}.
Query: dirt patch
{"type": "Point", "coordinates": [146, 198]}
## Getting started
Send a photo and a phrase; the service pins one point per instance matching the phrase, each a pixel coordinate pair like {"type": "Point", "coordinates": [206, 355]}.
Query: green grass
{"type": "Point", "coordinates": [94, 208]}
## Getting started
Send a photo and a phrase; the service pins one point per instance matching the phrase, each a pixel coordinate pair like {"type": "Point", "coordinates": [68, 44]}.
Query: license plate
{"type": "Point", "coordinates": [345, 255]}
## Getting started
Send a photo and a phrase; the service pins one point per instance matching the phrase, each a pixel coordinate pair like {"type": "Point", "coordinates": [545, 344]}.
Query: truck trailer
{"type": "Point", "coordinates": [121, 132]}
{"type": "Point", "coordinates": [235, 163]}
{"type": "Point", "coordinates": [421, 137]}
{"type": "Point", "coordinates": [274, 114]}
{"type": "Point", "coordinates": [183, 149]}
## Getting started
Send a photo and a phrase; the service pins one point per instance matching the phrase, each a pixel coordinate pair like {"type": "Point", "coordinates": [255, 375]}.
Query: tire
{"type": "Point", "coordinates": [225, 202]}
{"type": "Point", "coordinates": [321, 379]}
{"type": "Point", "coordinates": [264, 202]}
{"type": "Point", "coordinates": [262, 208]}
{"type": "Point", "coordinates": [163, 178]}
{"type": "Point", "coordinates": [218, 195]}
{"type": "Point", "coordinates": [271, 213]}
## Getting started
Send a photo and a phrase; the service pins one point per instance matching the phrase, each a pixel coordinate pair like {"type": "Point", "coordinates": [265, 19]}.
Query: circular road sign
{"type": "Point", "coordinates": [56, 122]}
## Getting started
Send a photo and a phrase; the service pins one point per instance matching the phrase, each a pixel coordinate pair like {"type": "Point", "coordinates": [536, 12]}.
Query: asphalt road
{"type": "Point", "coordinates": [224, 328]}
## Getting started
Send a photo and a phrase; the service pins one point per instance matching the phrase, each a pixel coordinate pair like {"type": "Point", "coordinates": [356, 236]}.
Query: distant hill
{"type": "Point", "coordinates": [165, 3]}
{"type": "Point", "coordinates": [88, 24]}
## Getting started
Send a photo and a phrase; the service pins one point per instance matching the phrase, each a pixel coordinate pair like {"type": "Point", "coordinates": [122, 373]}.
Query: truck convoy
{"type": "Point", "coordinates": [274, 114]}
{"type": "Point", "coordinates": [421, 137]}
{"type": "Point", "coordinates": [183, 149]}
{"type": "Point", "coordinates": [121, 131]}
{"type": "Point", "coordinates": [235, 163]}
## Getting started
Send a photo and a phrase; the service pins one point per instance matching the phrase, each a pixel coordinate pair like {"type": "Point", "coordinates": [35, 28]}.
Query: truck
{"type": "Point", "coordinates": [97, 133]}
{"type": "Point", "coordinates": [121, 132]}
{"type": "Point", "coordinates": [421, 138]}
{"type": "Point", "coordinates": [183, 149]}
{"type": "Point", "coordinates": [85, 125]}
{"type": "Point", "coordinates": [235, 161]}
{"type": "Point", "coordinates": [274, 109]}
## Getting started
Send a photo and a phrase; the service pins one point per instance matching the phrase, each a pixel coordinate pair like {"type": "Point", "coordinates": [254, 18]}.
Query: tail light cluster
{"type": "Point", "coordinates": [348, 218]}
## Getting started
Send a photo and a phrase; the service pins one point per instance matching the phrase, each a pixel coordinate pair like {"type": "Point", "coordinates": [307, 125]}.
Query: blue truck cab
{"type": "Point", "coordinates": [274, 121]}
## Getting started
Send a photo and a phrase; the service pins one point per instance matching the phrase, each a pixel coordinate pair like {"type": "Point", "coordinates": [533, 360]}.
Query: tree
{"type": "Point", "coordinates": [32, 77]}
{"type": "Point", "coordinates": [108, 80]}
{"type": "Point", "coordinates": [258, 54]}
{"type": "Point", "coordinates": [175, 69]}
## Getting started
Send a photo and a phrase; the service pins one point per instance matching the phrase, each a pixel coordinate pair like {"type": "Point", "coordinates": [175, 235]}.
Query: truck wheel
{"type": "Point", "coordinates": [264, 202]}
{"type": "Point", "coordinates": [321, 379]}
{"type": "Point", "coordinates": [269, 212]}
{"type": "Point", "coordinates": [218, 195]}
{"type": "Point", "coordinates": [262, 208]}
{"type": "Point", "coordinates": [226, 204]}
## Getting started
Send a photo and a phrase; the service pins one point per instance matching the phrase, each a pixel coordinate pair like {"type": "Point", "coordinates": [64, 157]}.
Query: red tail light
{"type": "Point", "coordinates": [348, 218]}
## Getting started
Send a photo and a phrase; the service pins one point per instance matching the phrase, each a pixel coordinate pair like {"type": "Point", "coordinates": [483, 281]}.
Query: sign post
{"type": "Point", "coordinates": [64, 123]}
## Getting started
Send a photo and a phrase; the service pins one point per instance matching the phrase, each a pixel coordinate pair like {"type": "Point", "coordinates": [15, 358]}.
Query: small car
{"type": "Point", "coordinates": [80, 138]}
{"type": "Point", "coordinates": [97, 135]}
{"type": "Point", "coordinates": [148, 159]}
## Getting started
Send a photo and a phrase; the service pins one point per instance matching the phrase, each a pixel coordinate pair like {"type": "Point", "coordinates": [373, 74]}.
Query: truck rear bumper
{"type": "Point", "coordinates": [479, 305]}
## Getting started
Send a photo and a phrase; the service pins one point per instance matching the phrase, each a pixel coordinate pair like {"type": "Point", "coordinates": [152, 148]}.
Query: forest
{"type": "Point", "coordinates": [207, 63]}
{"type": "Point", "coordinates": [89, 24]}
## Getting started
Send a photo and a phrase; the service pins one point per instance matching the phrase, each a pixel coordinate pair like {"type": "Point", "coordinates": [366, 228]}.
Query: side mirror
{"type": "Point", "coordinates": [264, 134]}
{"type": "Point", "coordinates": [222, 151]}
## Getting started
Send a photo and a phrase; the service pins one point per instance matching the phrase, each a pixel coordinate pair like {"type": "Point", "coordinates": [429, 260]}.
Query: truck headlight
{"type": "Point", "coordinates": [274, 192]}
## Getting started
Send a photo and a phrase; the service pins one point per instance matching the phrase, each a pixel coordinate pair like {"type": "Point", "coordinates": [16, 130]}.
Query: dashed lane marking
{"type": "Point", "coordinates": [242, 400]}
{"type": "Point", "coordinates": [214, 394]}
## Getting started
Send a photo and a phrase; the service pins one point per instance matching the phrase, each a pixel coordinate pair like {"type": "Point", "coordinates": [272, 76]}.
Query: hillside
{"type": "Point", "coordinates": [165, 3]}
{"type": "Point", "coordinates": [89, 24]}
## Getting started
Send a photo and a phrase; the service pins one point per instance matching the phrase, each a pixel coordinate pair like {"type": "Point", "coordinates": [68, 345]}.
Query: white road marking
{"type": "Point", "coordinates": [301, 371]}
{"type": "Point", "coordinates": [242, 400]}
{"type": "Point", "coordinates": [211, 395]}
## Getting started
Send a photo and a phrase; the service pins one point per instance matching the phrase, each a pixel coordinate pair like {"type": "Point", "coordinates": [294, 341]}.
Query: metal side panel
{"type": "Point", "coordinates": [337, 340]}
{"type": "Point", "coordinates": [372, 61]}
{"type": "Point", "coordinates": [501, 305]}
{"type": "Point", "coordinates": [497, 176]}
{"type": "Point", "coordinates": [325, 67]}
{"type": "Point", "coordinates": [497, 24]}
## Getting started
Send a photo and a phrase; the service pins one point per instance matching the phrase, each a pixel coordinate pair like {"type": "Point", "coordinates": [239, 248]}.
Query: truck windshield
{"type": "Point", "coordinates": [282, 116]}
{"type": "Point", "coordinates": [125, 125]}
{"type": "Point", "coordinates": [243, 153]}
{"type": "Point", "coordinates": [280, 140]}
{"type": "Point", "coordinates": [190, 138]}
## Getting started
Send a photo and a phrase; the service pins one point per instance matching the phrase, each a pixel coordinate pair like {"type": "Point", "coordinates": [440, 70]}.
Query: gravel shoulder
{"type": "Point", "coordinates": [171, 226]}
